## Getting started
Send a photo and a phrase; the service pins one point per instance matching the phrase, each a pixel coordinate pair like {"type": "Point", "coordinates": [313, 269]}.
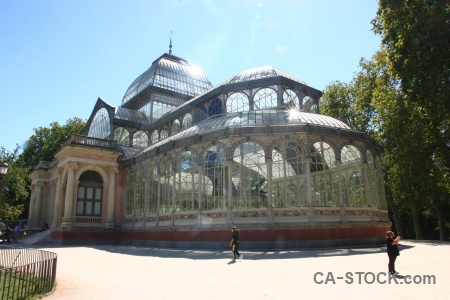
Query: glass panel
{"type": "Point", "coordinates": [187, 182]}
{"type": "Point", "coordinates": [166, 187]}
{"type": "Point", "coordinates": [101, 125]}
{"type": "Point", "coordinates": [265, 98]}
{"type": "Point", "coordinates": [249, 176]}
{"type": "Point", "coordinates": [237, 102]}
{"type": "Point", "coordinates": [201, 114]}
{"type": "Point", "coordinates": [130, 115]}
{"type": "Point", "coordinates": [350, 153]}
{"type": "Point", "coordinates": [215, 107]}
{"type": "Point", "coordinates": [155, 137]}
{"type": "Point", "coordinates": [176, 127]}
{"type": "Point", "coordinates": [187, 121]}
{"type": "Point", "coordinates": [122, 136]}
{"type": "Point", "coordinates": [164, 134]}
{"type": "Point", "coordinates": [215, 179]}
{"type": "Point", "coordinates": [81, 192]}
{"type": "Point", "coordinates": [90, 192]}
{"type": "Point", "coordinates": [98, 194]}
{"type": "Point", "coordinates": [80, 207]}
{"type": "Point", "coordinates": [290, 100]}
{"type": "Point", "coordinates": [289, 175]}
{"type": "Point", "coordinates": [172, 74]}
{"type": "Point", "coordinates": [140, 139]}
{"type": "Point", "coordinates": [97, 208]}
{"type": "Point", "coordinates": [88, 207]}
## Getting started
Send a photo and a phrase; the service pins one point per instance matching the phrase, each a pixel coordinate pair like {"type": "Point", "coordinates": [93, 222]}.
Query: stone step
{"type": "Point", "coordinates": [36, 238]}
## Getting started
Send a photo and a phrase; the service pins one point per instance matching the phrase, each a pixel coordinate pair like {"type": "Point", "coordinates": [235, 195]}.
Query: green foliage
{"type": "Point", "coordinates": [417, 180]}
{"type": "Point", "coordinates": [47, 141]}
{"type": "Point", "coordinates": [42, 145]}
{"type": "Point", "coordinates": [415, 34]}
{"type": "Point", "coordinates": [401, 97]}
{"type": "Point", "coordinates": [15, 191]}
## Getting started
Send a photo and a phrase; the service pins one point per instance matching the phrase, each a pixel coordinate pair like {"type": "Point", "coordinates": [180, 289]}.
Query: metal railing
{"type": "Point", "coordinates": [90, 141]}
{"type": "Point", "coordinates": [88, 221]}
{"type": "Point", "coordinates": [26, 272]}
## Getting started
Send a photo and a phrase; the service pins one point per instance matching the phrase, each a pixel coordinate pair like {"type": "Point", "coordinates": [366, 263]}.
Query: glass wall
{"type": "Point", "coordinates": [211, 182]}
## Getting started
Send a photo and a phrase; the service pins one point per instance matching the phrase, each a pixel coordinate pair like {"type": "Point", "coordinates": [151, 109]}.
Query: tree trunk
{"type": "Point", "coordinates": [416, 219]}
{"type": "Point", "coordinates": [398, 224]}
{"type": "Point", "coordinates": [443, 234]}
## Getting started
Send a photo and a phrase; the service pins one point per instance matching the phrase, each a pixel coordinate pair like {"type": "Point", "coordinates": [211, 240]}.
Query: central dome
{"type": "Point", "coordinates": [171, 73]}
{"type": "Point", "coordinates": [261, 72]}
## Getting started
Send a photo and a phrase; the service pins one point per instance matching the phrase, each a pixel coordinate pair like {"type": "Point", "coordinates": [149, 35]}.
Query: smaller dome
{"type": "Point", "coordinates": [171, 73]}
{"type": "Point", "coordinates": [261, 72]}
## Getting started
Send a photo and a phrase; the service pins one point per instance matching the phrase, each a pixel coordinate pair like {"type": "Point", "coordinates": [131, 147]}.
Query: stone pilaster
{"type": "Point", "coordinates": [67, 219]}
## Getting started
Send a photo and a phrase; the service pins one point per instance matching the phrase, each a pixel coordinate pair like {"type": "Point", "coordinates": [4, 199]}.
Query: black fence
{"type": "Point", "coordinates": [26, 272]}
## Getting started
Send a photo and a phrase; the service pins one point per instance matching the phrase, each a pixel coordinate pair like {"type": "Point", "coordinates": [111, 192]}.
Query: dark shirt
{"type": "Point", "coordinates": [235, 237]}
{"type": "Point", "coordinates": [392, 250]}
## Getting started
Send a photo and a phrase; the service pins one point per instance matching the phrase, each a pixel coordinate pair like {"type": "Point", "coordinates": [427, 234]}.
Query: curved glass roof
{"type": "Point", "coordinates": [261, 72]}
{"type": "Point", "coordinates": [130, 115]}
{"type": "Point", "coordinates": [128, 152]}
{"type": "Point", "coordinates": [171, 73]}
{"type": "Point", "coordinates": [260, 118]}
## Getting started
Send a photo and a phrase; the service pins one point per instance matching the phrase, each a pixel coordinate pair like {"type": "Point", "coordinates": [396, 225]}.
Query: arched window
{"type": "Point", "coordinates": [140, 139]}
{"type": "Point", "coordinates": [322, 168]}
{"type": "Point", "coordinates": [215, 179]}
{"type": "Point", "coordinates": [187, 182]}
{"type": "Point", "coordinates": [164, 134]}
{"type": "Point", "coordinates": [101, 125]}
{"type": "Point", "coordinates": [351, 169]}
{"type": "Point", "coordinates": [309, 104]}
{"type": "Point", "coordinates": [288, 174]}
{"type": "Point", "coordinates": [176, 127]}
{"type": "Point", "coordinates": [237, 102]}
{"type": "Point", "coordinates": [290, 100]}
{"type": "Point", "coordinates": [215, 107]}
{"type": "Point", "coordinates": [166, 186]}
{"type": "Point", "coordinates": [89, 196]}
{"type": "Point", "coordinates": [187, 121]}
{"type": "Point", "coordinates": [153, 189]}
{"type": "Point", "coordinates": [249, 176]}
{"type": "Point", "coordinates": [201, 114]}
{"type": "Point", "coordinates": [265, 98]}
{"type": "Point", "coordinates": [122, 136]}
{"type": "Point", "coordinates": [139, 194]}
{"type": "Point", "coordinates": [155, 137]}
{"type": "Point", "coordinates": [356, 189]}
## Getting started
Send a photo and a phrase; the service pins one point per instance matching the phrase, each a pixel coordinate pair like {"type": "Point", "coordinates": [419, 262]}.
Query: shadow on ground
{"type": "Point", "coordinates": [198, 254]}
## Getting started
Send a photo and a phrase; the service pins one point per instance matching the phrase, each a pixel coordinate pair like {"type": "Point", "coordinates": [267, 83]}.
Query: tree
{"type": "Point", "coordinates": [416, 35]}
{"type": "Point", "coordinates": [367, 104]}
{"type": "Point", "coordinates": [15, 189]}
{"type": "Point", "coordinates": [46, 141]}
{"type": "Point", "coordinates": [42, 145]}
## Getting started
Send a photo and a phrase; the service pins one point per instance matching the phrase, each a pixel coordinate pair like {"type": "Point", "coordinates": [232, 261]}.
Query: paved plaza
{"type": "Point", "coordinates": [126, 272]}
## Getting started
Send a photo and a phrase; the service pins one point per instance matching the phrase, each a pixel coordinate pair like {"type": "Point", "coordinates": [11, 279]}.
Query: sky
{"type": "Point", "coordinates": [57, 57]}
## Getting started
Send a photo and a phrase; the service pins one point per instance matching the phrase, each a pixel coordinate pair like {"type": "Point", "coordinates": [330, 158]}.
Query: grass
{"type": "Point", "coordinates": [17, 285]}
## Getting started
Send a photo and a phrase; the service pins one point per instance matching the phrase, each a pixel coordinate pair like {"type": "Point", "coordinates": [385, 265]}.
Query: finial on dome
{"type": "Point", "coordinates": [170, 45]}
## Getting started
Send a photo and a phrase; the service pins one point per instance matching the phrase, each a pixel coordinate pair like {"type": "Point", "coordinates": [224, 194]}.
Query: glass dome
{"type": "Point", "coordinates": [171, 73]}
{"type": "Point", "coordinates": [261, 72]}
